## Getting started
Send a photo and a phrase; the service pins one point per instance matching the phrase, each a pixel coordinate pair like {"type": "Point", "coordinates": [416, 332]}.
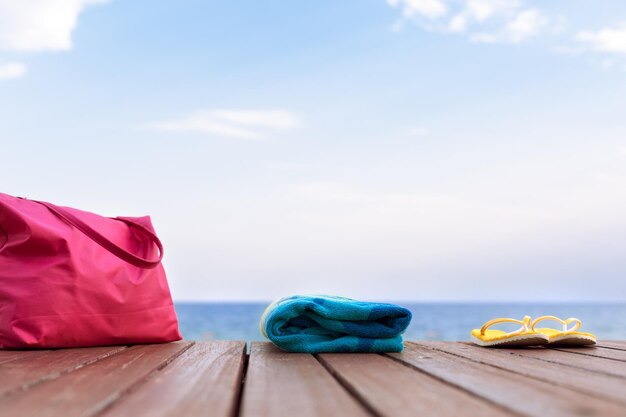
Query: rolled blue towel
{"type": "Point", "coordinates": [315, 324]}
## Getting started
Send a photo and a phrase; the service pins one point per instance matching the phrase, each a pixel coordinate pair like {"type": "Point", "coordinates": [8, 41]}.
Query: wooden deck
{"type": "Point", "coordinates": [218, 379]}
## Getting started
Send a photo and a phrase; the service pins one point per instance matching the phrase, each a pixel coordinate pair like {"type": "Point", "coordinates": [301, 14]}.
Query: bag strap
{"type": "Point", "coordinates": [116, 250]}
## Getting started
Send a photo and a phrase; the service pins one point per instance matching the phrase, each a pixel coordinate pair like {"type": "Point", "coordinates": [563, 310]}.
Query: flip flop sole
{"type": "Point", "coordinates": [514, 341]}
{"type": "Point", "coordinates": [572, 340]}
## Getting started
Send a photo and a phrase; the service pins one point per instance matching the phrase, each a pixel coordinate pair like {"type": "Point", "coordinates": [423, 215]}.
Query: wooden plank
{"type": "Point", "coordinates": [534, 363]}
{"type": "Point", "coordinates": [205, 380]}
{"type": "Point", "coordinates": [613, 344]}
{"type": "Point", "coordinates": [392, 389]}
{"type": "Point", "coordinates": [600, 352]}
{"type": "Point", "coordinates": [29, 370]}
{"type": "Point", "coordinates": [90, 389]}
{"type": "Point", "coordinates": [587, 362]}
{"type": "Point", "coordinates": [519, 393]}
{"type": "Point", "coordinates": [292, 384]}
{"type": "Point", "coordinates": [11, 355]}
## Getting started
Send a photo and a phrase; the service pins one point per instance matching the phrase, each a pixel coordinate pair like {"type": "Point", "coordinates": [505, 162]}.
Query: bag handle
{"type": "Point", "coordinates": [116, 250]}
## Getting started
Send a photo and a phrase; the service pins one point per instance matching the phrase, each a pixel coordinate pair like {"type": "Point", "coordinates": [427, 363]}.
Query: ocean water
{"type": "Point", "coordinates": [431, 321]}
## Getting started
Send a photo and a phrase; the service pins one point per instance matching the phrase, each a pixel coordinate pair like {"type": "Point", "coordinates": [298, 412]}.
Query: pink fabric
{"type": "Point", "coordinates": [70, 278]}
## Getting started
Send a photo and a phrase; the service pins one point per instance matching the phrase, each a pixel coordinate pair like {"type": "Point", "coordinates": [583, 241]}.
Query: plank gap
{"type": "Point", "coordinates": [589, 353]}
{"type": "Point", "coordinates": [615, 345]}
{"type": "Point", "coordinates": [514, 391]}
{"type": "Point", "coordinates": [455, 386]}
{"type": "Point", "coordinates": [101, 407]}
{"type": "Point", "coordinates": [594, 380]}
{"type": "Point", "coordinates": [54, 374]}
{"type": "Point", "coordinates": [528, 353]}
{"type": "Point", "coordinates": [353, 392]}
{"type": "Point", "coordinates": [283, 384]}
{"type": "Point", "coordinates": [244, 372]}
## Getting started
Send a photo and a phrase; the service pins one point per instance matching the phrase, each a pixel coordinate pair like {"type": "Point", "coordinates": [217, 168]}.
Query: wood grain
{"type": "Point", "coordinates": [550, 366]}
{"type": "Point", "coordinates": [210, 379]}
{"type": "Point", "coordinates": [29, 370]}
{"type": "Point", "coordinates": [293, 384]}
{"type": "Point", "coordinates": [613, 344]}
{"type": "Point", "coordinates": [590, 363]}
{"type": "Point", "coordinates": [11, 355]}
{"type": "Point", "coordinates": [205, 380]}
{"type": "Point", "coordinates": [519, 393]}
{"type": "Point", "coordinates": [90, 389]}
{"type": "Point", "coordinates": [392, 389]}
{"type": "Point", "coordinates": [600, 352]}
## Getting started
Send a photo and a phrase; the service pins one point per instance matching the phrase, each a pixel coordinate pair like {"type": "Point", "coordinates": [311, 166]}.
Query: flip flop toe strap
{"type": "Point", "coordinates": [565, 323]}
{"type": "Point", "coordinates": [525, 322]}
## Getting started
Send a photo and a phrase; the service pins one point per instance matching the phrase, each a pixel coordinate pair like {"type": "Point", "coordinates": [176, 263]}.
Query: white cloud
{"type": "Point", "coordinates": [510, 22]}
{"type": "Point", "coordinates": [273, 119]}
{"type": "Point", "coordinates": [12, 70]}
{"type": "Point", "coordinates": [611, 40]}
{"type": "Point", "coordinates": [506, 21]}
{"type": "Point", "coordinates": [431, 9]}
{"type": "Point", "coordinates": [482, 10]}
{"type": "Point", "coordinates": [39, 25]}
{"type": "Point", "coordinates": [523, 26]}
{"type": "Point", "coordinates": [241, 124]}
{"type": "Point", "coordinates": [478, 12]}
{"type": "Point", "coordinates": [458, 23]}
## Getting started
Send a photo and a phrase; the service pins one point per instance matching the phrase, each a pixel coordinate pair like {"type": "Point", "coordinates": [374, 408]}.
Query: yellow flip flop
{"type": "Point", "coordinates": [524, 336]}
{"type": "Point", "coordinates": [566, 336]}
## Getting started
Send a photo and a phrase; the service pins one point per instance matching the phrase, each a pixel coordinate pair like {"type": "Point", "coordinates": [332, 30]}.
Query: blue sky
{"type": "Point", "coordinates": [416, 149]}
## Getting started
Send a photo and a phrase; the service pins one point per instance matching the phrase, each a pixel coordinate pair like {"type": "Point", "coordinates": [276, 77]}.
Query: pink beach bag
{"type": "Point", "coordinates": [69, 278]}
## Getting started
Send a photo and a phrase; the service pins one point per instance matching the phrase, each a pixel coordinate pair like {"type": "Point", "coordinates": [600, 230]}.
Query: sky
{"type": "Point", "coordinates": [429, 150]}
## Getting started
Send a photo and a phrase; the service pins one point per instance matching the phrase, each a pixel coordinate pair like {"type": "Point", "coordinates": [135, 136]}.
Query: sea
{"type": "Point", "coordinates": [431, 321]}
